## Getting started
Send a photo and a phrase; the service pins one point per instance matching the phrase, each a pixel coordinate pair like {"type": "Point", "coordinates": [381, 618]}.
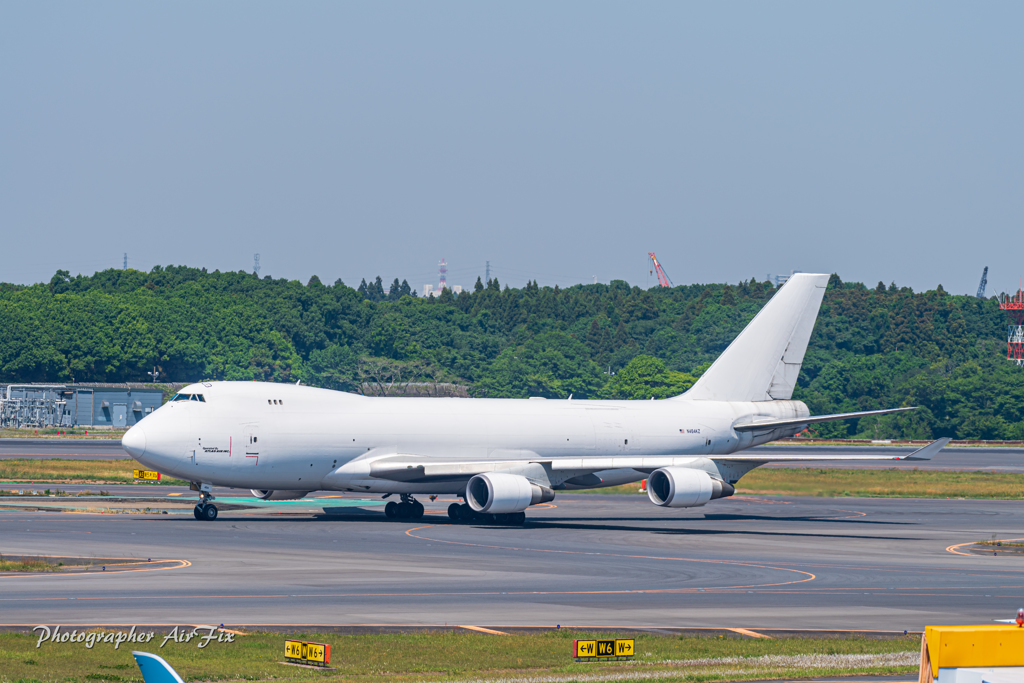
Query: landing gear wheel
{"type": "Point", "coordinates": [467, 514]}
{"type": "Point", "coordinates": [455, 512]}
{"type": "Point", "coordinates": [404, 510]}
{"type": "Point", "coordinates": [501, 518]}
{"type": "Point", "coordinates": [517, 519]}
{"type": "Point", "coordinates": [198, 511]}
{"type": "Point", "coordinates": [209, 512]}
{"type": "Point", "coordinates": [391, 510]}
{"type": "Point", "coordinates": [416, 511]}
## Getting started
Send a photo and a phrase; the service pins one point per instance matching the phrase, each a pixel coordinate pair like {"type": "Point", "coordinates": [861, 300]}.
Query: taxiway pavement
{"type": "Point", "coordinates": [749, 562]}
{"type": "Point", "coordinates": [77, 449]}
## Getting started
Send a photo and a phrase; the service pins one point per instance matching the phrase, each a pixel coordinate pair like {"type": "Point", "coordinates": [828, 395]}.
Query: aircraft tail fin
{"type": "Point", "coordinates": [763, 362]}
{"type": "Point", "coordinates": [155, 669]}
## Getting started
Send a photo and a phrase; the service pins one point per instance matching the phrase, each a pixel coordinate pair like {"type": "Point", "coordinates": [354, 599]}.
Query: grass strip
{"type": "Point", "coordinates": [887, 483]}
{"type": "Point", "coordinates": [29, 566]}
{"type": "Point", "coordinates": [73, 471]}
{"type": "Point", "coordinates": [1000, 544]}
{"type": "Point", "coordinates": [459, 655]}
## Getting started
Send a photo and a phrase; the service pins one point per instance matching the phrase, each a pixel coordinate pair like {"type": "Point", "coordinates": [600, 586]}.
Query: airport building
{"type": "Point", "coordinates": [76, 405]}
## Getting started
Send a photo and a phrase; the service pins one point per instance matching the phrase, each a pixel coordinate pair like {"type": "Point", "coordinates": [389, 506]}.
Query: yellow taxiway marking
{"type": "Point", "coordinates": [481, 629]}
{"type": "Point", "coordinates": [175, 494]}
{"type": "Point", "coordinates": [995, 549]}
{"type": "Point", "coordinates": [748, 632]}
{"type": "Point", "coordinates": [218, 628]}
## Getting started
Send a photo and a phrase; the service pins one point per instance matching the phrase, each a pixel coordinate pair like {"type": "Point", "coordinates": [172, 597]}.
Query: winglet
{"type": "Point", "coordinates": [154, 669]}
{"type": "Point", "coordinates": [925, 453]}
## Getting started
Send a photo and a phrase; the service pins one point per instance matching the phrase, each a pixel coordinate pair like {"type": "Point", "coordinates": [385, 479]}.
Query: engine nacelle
{"type": "Point", "coordinates": [499, 492]}
{"type": "Point", "coordinates": [683, 487]}
{"type": "Point", "coordinates": [263, 494]}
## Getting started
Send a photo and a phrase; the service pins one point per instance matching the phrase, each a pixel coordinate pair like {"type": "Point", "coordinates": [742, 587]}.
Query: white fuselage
{"type": "Point", "coordinates": [287, 437]}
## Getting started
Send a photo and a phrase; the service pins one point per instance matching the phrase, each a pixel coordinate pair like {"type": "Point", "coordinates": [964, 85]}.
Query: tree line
{"type": "Point", "coordinates": [872, 347]}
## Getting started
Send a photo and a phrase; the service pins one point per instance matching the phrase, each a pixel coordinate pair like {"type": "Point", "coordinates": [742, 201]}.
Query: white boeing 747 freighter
{"type": "Point", "coordinates": [501, 456]}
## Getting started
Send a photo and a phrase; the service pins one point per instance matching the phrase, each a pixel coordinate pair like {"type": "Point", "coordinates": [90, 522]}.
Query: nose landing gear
{"type": "Point", "coordinates": [207, 512]}
{"type": "Point", "coordinates": [204, 509]}
{"type": "Point", "coordinates": [408, 509]}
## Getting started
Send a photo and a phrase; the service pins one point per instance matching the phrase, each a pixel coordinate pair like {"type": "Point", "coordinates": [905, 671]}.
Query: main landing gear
{"type": "Point", "coordinates": [409, 508]}
{"type": "Point", "coordinates": [204, 509]}
{"type": "Point", "coordinates": [465, 514]}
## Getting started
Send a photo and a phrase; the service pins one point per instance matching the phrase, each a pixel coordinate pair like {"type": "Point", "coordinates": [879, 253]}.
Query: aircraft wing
{"type": "Point", "coordinates": [413, 468]}
{"type": "Point", "coordinates": [923, 453]}
{"type": "Point", "coordinates": [410, 468]}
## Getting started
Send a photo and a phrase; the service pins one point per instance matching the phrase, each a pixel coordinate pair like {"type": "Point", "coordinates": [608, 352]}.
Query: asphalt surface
{"type": "Point", "coordinates": [966, 459]}
{"type": "Point", "coordinates": [742, 562]}
{"type": "Point", "coordinates": [78, 449]}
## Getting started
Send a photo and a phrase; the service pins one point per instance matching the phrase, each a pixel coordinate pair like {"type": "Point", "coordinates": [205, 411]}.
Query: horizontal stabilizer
{"type": "Point", "coordinates": [797, 421]}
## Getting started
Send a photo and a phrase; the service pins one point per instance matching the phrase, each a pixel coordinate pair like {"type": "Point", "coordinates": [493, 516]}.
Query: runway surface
{"type": "Point", "coordinates": [749, 562]}
{"type": "Point", "coordinates": [968, 459]}
{"type": "Point", "coordinates": [78, 449]}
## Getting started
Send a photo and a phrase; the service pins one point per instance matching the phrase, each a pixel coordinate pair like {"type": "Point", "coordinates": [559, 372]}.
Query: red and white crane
{"type": "Point", "coordinates": [663, 279]}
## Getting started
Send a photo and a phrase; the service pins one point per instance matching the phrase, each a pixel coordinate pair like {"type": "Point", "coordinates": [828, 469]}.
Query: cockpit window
{"type": "Point", "coordinates": [188, 397]}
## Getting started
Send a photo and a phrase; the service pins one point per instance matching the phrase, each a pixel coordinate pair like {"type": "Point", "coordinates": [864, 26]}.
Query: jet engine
{"type": "Point", "coordinates": [263, 494]}
{"type": "Point", "coordinates": [499, 492]}
{"type": "Point", "coordinates": [683, 487]}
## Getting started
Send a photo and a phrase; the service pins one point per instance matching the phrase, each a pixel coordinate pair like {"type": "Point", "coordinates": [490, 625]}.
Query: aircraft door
{"type": "Point", "coordinates": [251, 444]}
{"type": "Point", "coordinates": [614, 431]}
{"type": "Point", "coordinates": [613, 436]}
{"type": "Point", "coordinates": [194, 452]}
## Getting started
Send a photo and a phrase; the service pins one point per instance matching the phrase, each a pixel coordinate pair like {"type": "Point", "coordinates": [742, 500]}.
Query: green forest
{"type": "Point", "coordinates": [872, 347]}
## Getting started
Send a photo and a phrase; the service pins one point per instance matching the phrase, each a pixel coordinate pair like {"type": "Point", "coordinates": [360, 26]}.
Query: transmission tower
{"type": "Point", "coordinates": [256, 264]}
{"type": "Point", "coordinates": [984, 281]}
{"type": "Point", "coordinates": [663, 278]}
{"type": "Point", "coordinates": [126, 260]}
{"type": "Point", "coordinates": [487, 277]}
{"type": "Point", "coordinates": [442, 270]}
{"type": "Point", "coordinates": [1014, 307]}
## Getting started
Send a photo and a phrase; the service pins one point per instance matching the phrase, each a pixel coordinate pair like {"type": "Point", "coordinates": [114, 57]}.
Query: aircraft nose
{"type": "Point", "coordinates": [134, 441]}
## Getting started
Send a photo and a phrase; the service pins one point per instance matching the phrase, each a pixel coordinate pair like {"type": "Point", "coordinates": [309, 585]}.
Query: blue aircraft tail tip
{"type": "Point", "coordinates": [154, 669]}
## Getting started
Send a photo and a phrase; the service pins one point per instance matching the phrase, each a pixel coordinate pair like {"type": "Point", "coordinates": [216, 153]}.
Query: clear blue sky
{"type": "Point", "coordinates": [558, 140]}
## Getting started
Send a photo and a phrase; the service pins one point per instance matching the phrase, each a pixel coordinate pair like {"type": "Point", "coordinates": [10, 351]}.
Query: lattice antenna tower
{"type": "Point", "coordinates": [984, 281]}
{"type": "Point", "coordinates": [126, 260]}
{"type": "Point", "coordinates": [487, 270]}
{"type": "Point", "coordinates": [663, 278]}
{"type": "Point", "coordinates": [256, 264]}
{"type": "Point", "coordinates": [442, 270]}
{"type": "Point", "coordinates": [1014, 307]}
